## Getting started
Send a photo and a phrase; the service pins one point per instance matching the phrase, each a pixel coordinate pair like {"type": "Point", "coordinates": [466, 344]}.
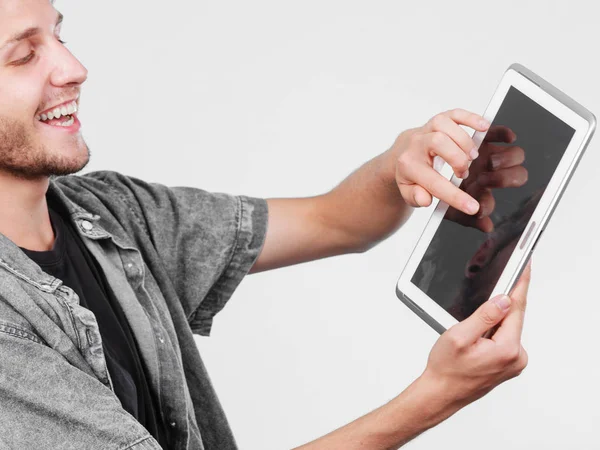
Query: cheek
{"type": "Point", "coordinates": [20, 97]}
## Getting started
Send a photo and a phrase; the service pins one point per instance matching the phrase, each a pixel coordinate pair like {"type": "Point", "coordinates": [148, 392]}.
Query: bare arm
{"type": "Point", "coordinates": [371, 203]}
{"type": "Point", "coordinates": [362, 210]}
{"type": "Point", "coordinates": [462, 368]}
{"type": "Point", "coordinates": [420, 407]}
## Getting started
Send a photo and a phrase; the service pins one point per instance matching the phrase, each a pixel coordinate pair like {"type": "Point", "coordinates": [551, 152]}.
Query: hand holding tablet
{"type": "Point", "coordinates": [524, 161]}
{"type": "Point", "coordinates": [468, 366]}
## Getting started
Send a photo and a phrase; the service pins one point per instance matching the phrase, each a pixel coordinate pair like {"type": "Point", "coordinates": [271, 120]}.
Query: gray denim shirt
{"type": "Point", "coordinates": [173, 257]}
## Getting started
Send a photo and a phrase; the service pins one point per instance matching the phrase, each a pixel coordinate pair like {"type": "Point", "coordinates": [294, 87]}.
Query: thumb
{"type": "Point", "coordinates": [415, 195]}
{"type": "Point", "coordinates": [487, 316]}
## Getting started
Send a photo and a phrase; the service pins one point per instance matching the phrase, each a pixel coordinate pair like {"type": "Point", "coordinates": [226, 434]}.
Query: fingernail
{"type": "Point", "coordinates": [484, 123]}
{"type": "Point", "coordinates": [474, 153]}
{"type": "Point", "coordinates": [495, 161]}
{"type": "Point", "coordinates": [472, 206]}
{"type": "Point", "coordinates": [482, 213]}
{"type": "Point", "coordinates": [502, 302]}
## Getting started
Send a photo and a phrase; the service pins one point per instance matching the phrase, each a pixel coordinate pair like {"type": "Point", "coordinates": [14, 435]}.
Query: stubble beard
{"type": "Point", "coordinates": [24, 158]}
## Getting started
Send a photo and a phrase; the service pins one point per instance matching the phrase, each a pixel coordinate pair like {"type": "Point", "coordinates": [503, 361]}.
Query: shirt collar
{"type": "Point", "coordinates": [15, 261]}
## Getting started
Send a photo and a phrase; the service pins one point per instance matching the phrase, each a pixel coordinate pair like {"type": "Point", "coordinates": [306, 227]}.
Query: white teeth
{"type": "Point", "coordinates": [67, 123]}
{"type": "Point", "coordinates": [57, 112]}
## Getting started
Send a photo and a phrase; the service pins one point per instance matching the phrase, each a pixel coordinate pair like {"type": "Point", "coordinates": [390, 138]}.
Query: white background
{"type": "Point", "coordinates": [280, 99]}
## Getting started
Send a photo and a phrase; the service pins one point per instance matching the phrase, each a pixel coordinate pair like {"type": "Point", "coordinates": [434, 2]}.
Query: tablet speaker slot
{"type": "Point", "coordinates": [531, 228]}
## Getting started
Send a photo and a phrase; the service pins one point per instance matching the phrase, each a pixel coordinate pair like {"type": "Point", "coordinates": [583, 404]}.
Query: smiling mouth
{"type": "Point", "coordinates": [62, 116]}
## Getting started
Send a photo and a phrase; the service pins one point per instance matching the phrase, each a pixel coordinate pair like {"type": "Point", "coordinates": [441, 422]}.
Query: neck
{"type": "Point", "coordinates": [24, 217]}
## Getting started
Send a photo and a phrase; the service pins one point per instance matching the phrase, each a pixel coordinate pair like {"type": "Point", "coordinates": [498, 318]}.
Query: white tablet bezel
{"type": "Point", "coordinates": [547, 97]}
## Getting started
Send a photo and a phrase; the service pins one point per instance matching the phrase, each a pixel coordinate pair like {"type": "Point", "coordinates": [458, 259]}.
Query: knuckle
{"type": "Point", "coordinates": [403, 161]}
{"type": "Point", "coordinates": [523, 361]}
{"type": "Point", "coordinates": [437, 139]}
{"type": "Point", "coordinates": [463, 164]}
{"type": "Point", "coordinates": [467, 144]}
{"type": "Point", "coordinates": [521, 365]}
{"type": "Point", "coordinates": [457, 341]}
{"type": "Point", "coordinates": [487, 318]}
{"type": "Point", "coordinates": [437, 122]}
{"type": "Point", "coordinates": [510, 355]}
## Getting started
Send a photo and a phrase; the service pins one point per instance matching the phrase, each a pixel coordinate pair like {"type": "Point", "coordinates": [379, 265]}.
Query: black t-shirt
{"type": "Point", "coordinates": [70, 261]}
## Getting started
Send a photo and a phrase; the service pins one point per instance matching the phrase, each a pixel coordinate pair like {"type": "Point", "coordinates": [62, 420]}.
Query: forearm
{"type": "Point", "coordinates": [421, 406]}
{"type": "Point", "coordinates": [367, 206]}
{"type": "Point", "coordinates": [362, 210]}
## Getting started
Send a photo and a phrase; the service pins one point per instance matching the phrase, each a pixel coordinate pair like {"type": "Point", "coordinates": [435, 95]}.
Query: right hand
{"type": "Point", "coordinates": [497, 166]}
{"type": "Point", "coordinates": [467, 366]}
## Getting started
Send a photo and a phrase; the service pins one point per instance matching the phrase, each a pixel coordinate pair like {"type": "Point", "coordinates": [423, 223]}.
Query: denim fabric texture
{"type": "Point", "coordinates": [173, 256]}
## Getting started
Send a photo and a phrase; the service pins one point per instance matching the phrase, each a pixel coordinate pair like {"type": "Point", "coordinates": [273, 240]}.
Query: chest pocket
{"type": "Point", "coordinates": [14, 324]}
{"type": "Point", "coordinates": [18, 331]}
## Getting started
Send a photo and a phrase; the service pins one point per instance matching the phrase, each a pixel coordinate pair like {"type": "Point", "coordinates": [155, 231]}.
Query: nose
{"type": "Point", "coordinates": [67, 70]}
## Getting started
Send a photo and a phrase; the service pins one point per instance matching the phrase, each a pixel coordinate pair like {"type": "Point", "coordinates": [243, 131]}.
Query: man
{"type": "Point", "coordinates": [104, 278]}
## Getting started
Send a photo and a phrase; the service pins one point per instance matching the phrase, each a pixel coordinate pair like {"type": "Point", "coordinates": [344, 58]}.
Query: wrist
{"type": "Point", "coordinates": [419, 407]}
{"type": "Point", "coordinates": [423, 405]}
{"type": "Point", "coordinates": [439, 395]}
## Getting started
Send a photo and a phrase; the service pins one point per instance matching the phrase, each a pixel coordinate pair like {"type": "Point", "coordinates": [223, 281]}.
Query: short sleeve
{"type": "Point", "coordinates": [207, 241]}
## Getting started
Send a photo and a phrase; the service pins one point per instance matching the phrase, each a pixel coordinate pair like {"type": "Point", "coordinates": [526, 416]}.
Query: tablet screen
{"type": "Point", "coordinates": [516, 161]}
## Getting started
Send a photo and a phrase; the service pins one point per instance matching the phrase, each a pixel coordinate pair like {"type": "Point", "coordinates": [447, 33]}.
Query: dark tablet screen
{"type": "Point", "coordinates": [516, 161]}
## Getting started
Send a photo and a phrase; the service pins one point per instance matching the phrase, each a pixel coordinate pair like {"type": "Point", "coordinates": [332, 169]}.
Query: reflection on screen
{"type": "Point", "coordinates": [516, 161]}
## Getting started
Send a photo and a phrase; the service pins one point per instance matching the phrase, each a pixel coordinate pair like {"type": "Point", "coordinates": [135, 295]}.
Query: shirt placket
{"type": "Point", "coordinates": [124, 270]}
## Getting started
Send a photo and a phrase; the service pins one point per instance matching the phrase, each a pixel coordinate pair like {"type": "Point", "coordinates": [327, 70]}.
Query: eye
{"type": "Point", "coordinates": [61, 41]}
{"type": "Point", "coordinates": [23, 61]}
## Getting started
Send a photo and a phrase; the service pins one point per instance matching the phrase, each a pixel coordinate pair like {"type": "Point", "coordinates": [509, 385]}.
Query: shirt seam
{"type": "Point", "coordinates": [124, 199]}
{"type": "Point", "coordinates": [59, 294]}
{"type": "Point", "coordinates": [207, 305]}
{"type": "Point", "coordinates": [49, 288]}
{"type": "Point", "coordinates": [135, 443]}
{"type": "Point", "coordinates": [19, 332]}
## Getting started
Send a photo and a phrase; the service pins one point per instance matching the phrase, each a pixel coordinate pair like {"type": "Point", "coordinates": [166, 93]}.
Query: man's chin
{"type": "Point", "coordinates": [46, 166]}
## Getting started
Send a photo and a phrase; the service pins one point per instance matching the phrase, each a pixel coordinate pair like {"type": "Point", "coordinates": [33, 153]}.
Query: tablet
{"type": "Point", "coordinates": [458, 263]}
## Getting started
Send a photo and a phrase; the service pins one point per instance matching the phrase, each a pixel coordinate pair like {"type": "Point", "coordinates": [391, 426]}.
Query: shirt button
{"type": "Point", "coordinates": [129, 265]}
{"type": "Point", "coordinates": [161, 339]}
{"type": "Point", "coordinates": [173, 424]}
{"type": "Point", "coordinates": [86, 225]}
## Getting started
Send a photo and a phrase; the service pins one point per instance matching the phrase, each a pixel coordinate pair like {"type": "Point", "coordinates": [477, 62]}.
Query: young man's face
{"type": "Point", "coordinates": [37, 75]}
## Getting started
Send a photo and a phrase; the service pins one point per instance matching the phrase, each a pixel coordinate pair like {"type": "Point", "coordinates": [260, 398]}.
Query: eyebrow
{"type": "Point", "coordinates": [29, 32]}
